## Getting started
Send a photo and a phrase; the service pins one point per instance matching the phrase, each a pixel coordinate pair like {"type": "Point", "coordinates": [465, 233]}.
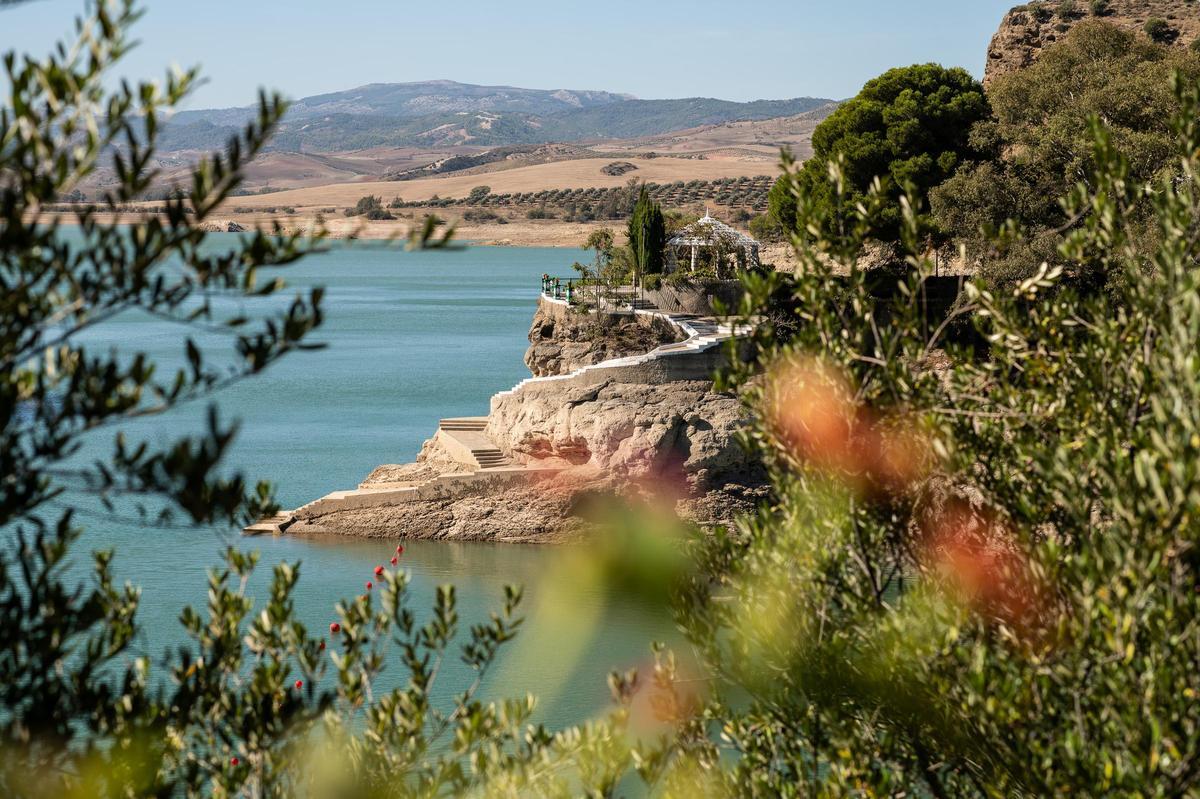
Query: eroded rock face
{"type": "Point", "coordinates": [670, 442]}
{"type": "Point", "coordinates": [1029, 29]}
{"type": "Point", "coordinates": [561, 340]}
{"type": "Point", "coordinates": [673, 438]}
{"type": "Point", "coordinates": [673, 443]}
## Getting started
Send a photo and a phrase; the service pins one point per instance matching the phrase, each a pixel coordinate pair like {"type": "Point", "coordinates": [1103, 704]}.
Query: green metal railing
{"type": "Point", "coordinates": [588, 291]}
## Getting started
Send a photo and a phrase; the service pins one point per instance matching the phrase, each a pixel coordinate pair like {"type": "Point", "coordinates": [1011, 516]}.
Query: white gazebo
{"type": "Point", "coordinates": [709, 242]}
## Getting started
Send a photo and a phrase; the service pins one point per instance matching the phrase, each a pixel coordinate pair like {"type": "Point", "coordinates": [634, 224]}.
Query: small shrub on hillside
{"type": "Point", "coordinates": [1067, 9]}
{"type": "Point", "coordinates": [396, 202]}
{"type": "Point", "coordinates": [1101, 8]}
{"type": "Point", "coordinates": [365, 205]}
{"type": "Point", "coordinates": [1041, 12]}
{"type": "Point", "coordinates": [1160, 30]}
{"type": "Point", "coordinates": [540, 213]}
{"type": "Point", "coordinates": [378, 215]}
{"type": "Point", "coordinates": [483, 215]}
{"type": "Point", "coordinates": [764, 227]}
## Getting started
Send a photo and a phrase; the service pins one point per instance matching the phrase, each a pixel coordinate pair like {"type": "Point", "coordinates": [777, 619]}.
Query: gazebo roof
{"type": "Point", "coordinates": [706, 232]}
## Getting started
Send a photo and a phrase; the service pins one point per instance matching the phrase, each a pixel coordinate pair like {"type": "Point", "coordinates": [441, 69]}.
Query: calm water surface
{"type": "Point", "coordinates": [412, 337]}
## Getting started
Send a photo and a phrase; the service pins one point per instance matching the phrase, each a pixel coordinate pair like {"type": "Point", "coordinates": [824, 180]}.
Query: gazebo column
{"type": "Point", "coordinates": [694, 249]}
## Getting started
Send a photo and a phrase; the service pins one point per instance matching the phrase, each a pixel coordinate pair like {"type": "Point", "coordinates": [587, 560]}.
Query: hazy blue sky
{"type": "Point", "coordinates": [738, 49]}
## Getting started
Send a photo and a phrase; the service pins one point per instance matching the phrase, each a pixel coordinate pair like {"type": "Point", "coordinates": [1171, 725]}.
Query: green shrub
{"type": "Point", "coordinates": [247, 698]}
{"type": "Point", "coordinates": [764, 228]}
{"type": "Point", "coordinates": [483, 215]}
{"type": "Point", "coordinates": [970, 570]}
{"type": "Point", "coordinates": [1101, 8]}
{"type": "Point", "coordinates": [478, 194]}
{"type": "Point", "coordinates": [365, 205]}
{"type": "Point", "coordinates": [909, 127]}
{"type": "Point", "coordinates": [1049, 127]}
{"type": "Point", "coordinates": [1161, 31]}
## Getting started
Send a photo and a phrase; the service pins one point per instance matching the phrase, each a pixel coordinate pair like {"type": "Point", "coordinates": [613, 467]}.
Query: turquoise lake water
{"type": "Point", "coordinates": [412, 337]}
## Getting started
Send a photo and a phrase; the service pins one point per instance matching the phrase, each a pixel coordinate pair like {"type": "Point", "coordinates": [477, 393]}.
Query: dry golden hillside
{"type": "Point", "coordinates": [581, 173]}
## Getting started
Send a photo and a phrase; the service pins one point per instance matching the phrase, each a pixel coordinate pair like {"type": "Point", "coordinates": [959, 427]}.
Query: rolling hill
{"type": "Point", "coordinates": [445, 114]}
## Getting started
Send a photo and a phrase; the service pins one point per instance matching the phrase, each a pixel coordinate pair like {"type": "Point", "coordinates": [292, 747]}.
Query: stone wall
{"type": "Point", "coordinates": [697, 300]}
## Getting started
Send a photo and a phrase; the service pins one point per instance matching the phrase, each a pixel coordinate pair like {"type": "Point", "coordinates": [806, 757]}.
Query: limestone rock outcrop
{"type": "Point", "coordinates": [562, 340]}
{"type": "Point", "coordinates": [677, 438]}
{"type": "Point", "coordinates": [538, 508]}
{"type": "Point", "coordinates": [1029, 29]}
{"type": "Point", "coordinates": [563, 446]}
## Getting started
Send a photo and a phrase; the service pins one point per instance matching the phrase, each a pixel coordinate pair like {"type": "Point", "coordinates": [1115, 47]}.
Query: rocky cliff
{"type": "Point", "coordinates": [561, 445]}
{"type": "Point", "coordinates": [674, 439]}
{"type": "Point", "coordinates": [1028, 29]}
{"type": "Point", "coordinates": [561, 340]}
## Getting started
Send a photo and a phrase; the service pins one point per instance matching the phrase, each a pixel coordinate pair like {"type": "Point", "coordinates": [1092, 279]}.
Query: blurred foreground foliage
{"type": "Point", "coordinates": [255, 704]}
{"type": "Point", "coordinates": [979, 573]}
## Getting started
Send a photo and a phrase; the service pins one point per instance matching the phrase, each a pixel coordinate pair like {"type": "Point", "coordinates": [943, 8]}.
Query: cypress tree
{"type": "Point", "coordinates": [647, 235]}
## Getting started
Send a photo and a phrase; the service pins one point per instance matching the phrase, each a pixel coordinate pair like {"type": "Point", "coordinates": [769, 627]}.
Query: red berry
{"type": "Point", "coordinates": [322, 647]}
{"type": "Point", "coordinates": [395, 561]}
{"type": "Point", "coordinates": [335, 628]}
{"type": "Point", "coordinates": [299, 684]}
{"type": "Point", "coordinates": [399, 550]}
{"type": "Point", "coordinates": [378, 571]}
{"type": "Point", "coordinates": [368, 585]}
{"type": "Point", "coordinates": [233, 761]}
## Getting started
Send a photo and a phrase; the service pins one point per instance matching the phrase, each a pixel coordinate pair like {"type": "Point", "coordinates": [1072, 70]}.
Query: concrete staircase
{"type": "Point", "coordinates": [474, 424]}
{"type": "Point", "coordinates": [272, 525]}
{"type": "Point", "coordinates": [464, 438]}
{"type": "Point", "coordinates": [482, 460]}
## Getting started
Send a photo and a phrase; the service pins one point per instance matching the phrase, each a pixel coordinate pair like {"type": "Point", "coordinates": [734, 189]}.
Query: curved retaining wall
{"type": "Point", "coordinates": [695, 358]}
{"type": "Point", "coordinates": [697, 301]}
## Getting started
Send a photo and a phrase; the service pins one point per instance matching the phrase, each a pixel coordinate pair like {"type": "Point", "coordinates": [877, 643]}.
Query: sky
{"type": "Point", "coordinates": [734, 50]}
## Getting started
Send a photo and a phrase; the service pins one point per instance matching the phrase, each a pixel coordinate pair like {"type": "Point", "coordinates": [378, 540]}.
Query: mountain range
{"type": "Point", "coordinates": [445, 113]}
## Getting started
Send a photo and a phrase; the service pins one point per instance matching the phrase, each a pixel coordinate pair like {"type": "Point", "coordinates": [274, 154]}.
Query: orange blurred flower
{"type": "Point", "coordinates": [812, 409]}
{"type": "Point", "coordinates": [981, 562]}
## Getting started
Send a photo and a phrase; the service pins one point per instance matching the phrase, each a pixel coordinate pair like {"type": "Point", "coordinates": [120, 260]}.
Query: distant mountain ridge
{"type": "Point", "coordinates": [445, 113]}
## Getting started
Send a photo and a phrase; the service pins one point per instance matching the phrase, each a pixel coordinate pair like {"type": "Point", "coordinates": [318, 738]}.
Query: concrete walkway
{"type": "Point", "coordinates": [463, 438]}
{"type": "Point", "coordinates": [481, 461]}
{"type": "Point", "coordinates": [701, 334]}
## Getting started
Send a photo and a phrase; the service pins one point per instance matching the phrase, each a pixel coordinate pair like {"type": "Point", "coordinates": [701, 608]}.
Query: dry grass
{"type": "Point", "coordinates": [581, 173]}
{"type": "Point", "coordinates": [758, 139]}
